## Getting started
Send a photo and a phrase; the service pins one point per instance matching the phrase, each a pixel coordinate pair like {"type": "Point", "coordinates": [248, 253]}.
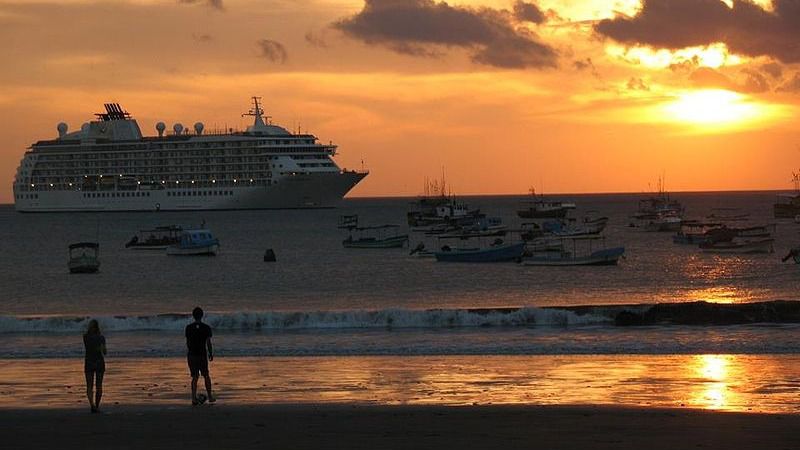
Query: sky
{"type": "Point", "coordinates": [503, 96]}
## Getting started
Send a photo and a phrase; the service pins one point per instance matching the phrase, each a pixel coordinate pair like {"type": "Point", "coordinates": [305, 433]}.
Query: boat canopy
{"type": "Point", "coordinates": [94, 245]}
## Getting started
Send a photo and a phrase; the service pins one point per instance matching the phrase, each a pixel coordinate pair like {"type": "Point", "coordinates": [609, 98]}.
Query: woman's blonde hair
{"type": "Point", "coordinates": [93, 327]}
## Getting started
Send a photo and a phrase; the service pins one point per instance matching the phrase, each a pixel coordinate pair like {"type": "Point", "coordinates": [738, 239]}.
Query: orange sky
{"type": "Point", "coordinates": [500, 102]}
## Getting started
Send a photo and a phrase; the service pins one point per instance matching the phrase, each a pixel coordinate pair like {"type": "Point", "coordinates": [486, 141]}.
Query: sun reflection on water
{"type": "Point", "coordinates": [714, 372]}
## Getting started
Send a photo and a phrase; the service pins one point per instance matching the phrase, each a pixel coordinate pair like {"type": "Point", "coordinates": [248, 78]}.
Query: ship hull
{"type": "Point", "coordinates": [313, 190]}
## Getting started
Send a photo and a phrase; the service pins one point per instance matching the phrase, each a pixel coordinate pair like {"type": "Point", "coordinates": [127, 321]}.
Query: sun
{"type": "Point", "coordinates": [712, 107]}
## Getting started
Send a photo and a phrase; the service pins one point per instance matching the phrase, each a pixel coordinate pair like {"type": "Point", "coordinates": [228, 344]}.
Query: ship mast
{"type": "Point", "coordinates": [258, 113]}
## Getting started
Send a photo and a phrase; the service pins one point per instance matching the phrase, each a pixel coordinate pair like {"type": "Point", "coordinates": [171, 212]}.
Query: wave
{"type": "Point", "coordinates": [694, 313]}
{"type": "Point", "coordinates": [277, 320]}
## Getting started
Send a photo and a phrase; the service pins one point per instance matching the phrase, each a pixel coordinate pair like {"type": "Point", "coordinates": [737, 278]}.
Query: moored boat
{"type": "Point", "coordinates": [195, 243]}
{"type": "Point", "coordinates": [539, 208]}
{"type": "Point", "coordinates": [84, 257]}
{"type": "Point", "coordinates": [158, 238]}
{"type": "Point", "coordinates": [498, 251]}
{"type": "Point", "coordinates": [372, 236]}
{"type": "Point", "coordinates": [586, 255]}
{"type": "Point", "coordinates": [739, 246]}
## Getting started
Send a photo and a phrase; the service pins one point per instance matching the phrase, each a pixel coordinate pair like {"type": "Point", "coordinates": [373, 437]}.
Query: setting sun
{"type": "Point", "coordinates": [713, 107]}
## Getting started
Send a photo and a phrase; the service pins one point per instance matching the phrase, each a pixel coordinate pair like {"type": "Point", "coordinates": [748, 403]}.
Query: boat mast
{"type": "Point", "coordinates": [258, 113]}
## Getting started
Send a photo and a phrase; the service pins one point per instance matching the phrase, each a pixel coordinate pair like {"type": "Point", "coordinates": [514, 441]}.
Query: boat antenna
{"type": "Point", "coordinates": [257, 112]}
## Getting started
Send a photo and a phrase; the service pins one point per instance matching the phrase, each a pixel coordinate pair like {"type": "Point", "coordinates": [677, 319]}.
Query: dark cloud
{"type": "Point", "coordinates": [425, 27]}
{"type": "Point", "coordinates": [315, 40]}
{"type": "Point", "coordinates": [216, 4]}
{"type": "Point", "coordinates": [754, 81]}
{"type": "Point", "coordinates": [528, 12]}
{"type": "Point", "coordinates": [637, 84]}
{"type": "Point", "coordinates": [273, 51]}
{"type": "Point", "coordinates": [706, 77]}
{"type": "Point", "coordinates": [746, 28]}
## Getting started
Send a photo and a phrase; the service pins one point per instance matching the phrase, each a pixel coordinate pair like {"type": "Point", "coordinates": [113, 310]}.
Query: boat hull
{"type": "Point", "coordinates": [499, 253]}
{"type": "Point", "coordinates": [559, 213]}
{"type": "Point", "coordinates": [764, 246]}
{"type": "Point", "coordinates": [607, 257]}
{"type": "Point", "coordinates": [200, 250]}
{"type": "Point", "coordinates": [393, 242]}
{"type": "Point", "coordinates": [301, 191]}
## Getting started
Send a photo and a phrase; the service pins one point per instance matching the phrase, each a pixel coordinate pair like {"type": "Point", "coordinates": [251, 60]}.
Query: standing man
{"type": "Point", "coordinates": [198, 340]}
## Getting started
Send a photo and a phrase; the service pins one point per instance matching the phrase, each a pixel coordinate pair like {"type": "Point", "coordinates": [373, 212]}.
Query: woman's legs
{"type": "Point", "coordinates": [89, 383]}
{"type": "Point", "coordinates": [99, 392]}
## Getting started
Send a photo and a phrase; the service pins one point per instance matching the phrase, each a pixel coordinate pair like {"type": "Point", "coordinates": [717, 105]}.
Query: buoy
{"type": "Point", "coordinates": [269, 255]}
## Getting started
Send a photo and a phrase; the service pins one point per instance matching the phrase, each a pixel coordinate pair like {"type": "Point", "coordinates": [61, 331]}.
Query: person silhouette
{"type": "Point", "coordinates": [198, 341]}
{"type": "Point", "coordinates": [94, 364]}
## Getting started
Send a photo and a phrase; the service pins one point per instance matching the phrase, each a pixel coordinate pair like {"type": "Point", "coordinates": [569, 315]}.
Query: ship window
{"type": "Point", "coordinates": [148, 194]}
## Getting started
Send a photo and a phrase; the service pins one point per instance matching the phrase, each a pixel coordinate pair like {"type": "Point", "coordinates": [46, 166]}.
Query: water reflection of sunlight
{"type": "Point", "coordinates": [718, 294]}
{"type": "Point", "coordinates": [714, 371]}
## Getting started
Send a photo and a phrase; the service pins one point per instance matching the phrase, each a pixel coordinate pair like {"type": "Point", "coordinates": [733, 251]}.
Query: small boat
{"type": "Point", "coordinates": [565, 257]}
{"type": "Point", "coordinates": [372, 236]}
{"type": "Point", "coordinates": [158, 238]}
{"type": "Point", "coordinates": [84, 257]}
{"type": "Point", "coordinates": [694, 232]}
{"type": "Point", "coordinates": [539, 208]}
{"type": "Point", "coordinates": [498, 251]}
{"type": "Point", "coordinates": [663, 222]}
{"type": "Point", "coordinates": [739, 246]}
{"type": "Point", "coordinates": [195, 243]}
{"type": "Point", "coordinates": [727, 215]}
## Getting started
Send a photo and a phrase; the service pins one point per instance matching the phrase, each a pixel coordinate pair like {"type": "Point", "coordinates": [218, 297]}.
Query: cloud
{"type": "Point", "coordinates": [216, 4]}
{"type": "Point", "coordinates": [774, 70]}
{"type": "Point", "coordinates": [273, 51]}
{"type": "Point", "coordinates": [792, 85]}
{"type": "Point", "coordinates": [746, 28]}
{"type": "Point", "coordinates": [528, 12]}
{"type": "Point", "coordinates": [750, 80]}
{"type": "Point", "coordinates": [426, 28]}
{"type": "Point", "coordinates": [315, 40]}
{"type": "Point", "coordinates": [637, 84]}
{"type": "Point", "coordinates": [202, 38]}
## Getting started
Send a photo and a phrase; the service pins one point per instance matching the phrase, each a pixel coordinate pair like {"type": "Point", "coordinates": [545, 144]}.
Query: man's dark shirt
{"type": "Point", "coordinates": [197, 334]}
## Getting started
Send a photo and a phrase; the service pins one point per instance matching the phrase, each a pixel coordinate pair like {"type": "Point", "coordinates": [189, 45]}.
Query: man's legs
{"type": "Point", "coordinates": [207, 379]}
{"type": "Point", "coordinates": [194, 388]}
{"type": "Point", "coordinates": [89, 385]}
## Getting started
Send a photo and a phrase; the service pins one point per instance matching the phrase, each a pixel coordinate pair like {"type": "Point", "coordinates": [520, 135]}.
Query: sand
{"type": "Point", "coordinates": [299, 426]}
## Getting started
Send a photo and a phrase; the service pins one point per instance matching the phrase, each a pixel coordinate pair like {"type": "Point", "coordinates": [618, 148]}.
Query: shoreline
{"type": "Point", "coordinates": [300, 426]}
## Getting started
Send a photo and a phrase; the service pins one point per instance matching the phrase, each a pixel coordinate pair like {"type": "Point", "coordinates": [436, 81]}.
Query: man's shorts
{"type": "Point", "coordinates": [198, 365]}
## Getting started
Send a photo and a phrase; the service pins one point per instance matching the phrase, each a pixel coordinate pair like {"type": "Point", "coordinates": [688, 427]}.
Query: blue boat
{"type": "Point", "coordinates": [497, 252]}
{"type": "Point", "coordinates": [575, 256]}
{"type": "Point", "coordinates": [195, 242]}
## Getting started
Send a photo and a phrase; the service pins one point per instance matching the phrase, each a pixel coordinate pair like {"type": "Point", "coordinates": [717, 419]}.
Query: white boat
{"type": "Point", "coordinates": [108, 165]}
{"type": "Point", "coordinates": [195, 243]}
{"type": "Point", "coordinates": [84, 257]}
{"type": "Point", "coordinates": [576, 251]}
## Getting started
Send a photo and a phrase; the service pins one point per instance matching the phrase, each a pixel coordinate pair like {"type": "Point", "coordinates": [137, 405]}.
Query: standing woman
{"type": "Point", "coordinates": [94, 362]}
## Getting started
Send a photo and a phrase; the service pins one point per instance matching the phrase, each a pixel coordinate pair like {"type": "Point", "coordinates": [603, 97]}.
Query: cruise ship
{"type": "Point", "coordinates": [108, 165]}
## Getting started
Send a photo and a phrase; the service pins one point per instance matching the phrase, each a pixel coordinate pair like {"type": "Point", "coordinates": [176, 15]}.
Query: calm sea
{"type": "Point", "coordinates": [322, 299]}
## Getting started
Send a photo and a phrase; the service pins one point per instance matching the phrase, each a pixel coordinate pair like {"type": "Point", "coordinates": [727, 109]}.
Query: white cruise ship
{"type": "Point", "coordinates": [109, 166]}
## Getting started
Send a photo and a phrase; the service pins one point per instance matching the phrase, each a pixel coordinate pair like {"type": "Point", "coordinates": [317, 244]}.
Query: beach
{"type": "Point", "coordinates": [369, 427]}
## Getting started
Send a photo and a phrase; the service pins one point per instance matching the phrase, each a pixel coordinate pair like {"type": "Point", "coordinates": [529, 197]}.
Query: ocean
{"type": "Point", "coordinates": [321, 300]}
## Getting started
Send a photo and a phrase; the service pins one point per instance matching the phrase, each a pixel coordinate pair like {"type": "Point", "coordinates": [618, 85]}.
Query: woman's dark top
{"type": "Point", "coordinates": [94, 360]}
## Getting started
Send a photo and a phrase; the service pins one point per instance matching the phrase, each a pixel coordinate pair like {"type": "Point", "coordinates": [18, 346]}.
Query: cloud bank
{"type": "Point", "coordinates": [426, 27]}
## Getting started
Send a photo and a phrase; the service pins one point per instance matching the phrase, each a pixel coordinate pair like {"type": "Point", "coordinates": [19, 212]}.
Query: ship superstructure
{"type": "Point", "coordinates": [108, 165]}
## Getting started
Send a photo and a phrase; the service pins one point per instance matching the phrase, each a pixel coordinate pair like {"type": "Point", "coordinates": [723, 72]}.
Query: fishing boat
{"type": "Point", "coordinates": [739, 246]}
{"type": "Point", "coordinates": [158, 238]}
{"type": "Point", "coordinates": [377, 236]}
{"type": "Point", "coordinates": [497, 251]}
{"type": "Point", "coordinates": [663, 222]}
{"type": "Point", "coordinates": [539, 208]}
{"type": "Point", "coordinates": [580, 252]}
{"type": "Point", "coordinates": [694, 232]}
{"type": "Point", "coordinates": [727, 215]}
{"type": "Point", "coordinates": [787, 206]}
{"type": "Point", "coordinates": [84, 257]}
{"type": "Point", "coordinates": [195, 243]}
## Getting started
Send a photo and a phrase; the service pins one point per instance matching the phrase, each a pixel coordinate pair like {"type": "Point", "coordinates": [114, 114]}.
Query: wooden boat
{"type": "Point", "coordinates": [694, 232]}
{"type": "Point", "coordinates": [739, 246]}
{"type": "Point", "coordinates": [158, 238]}
{"type": "Point", "coordinates": [539, 208]}
{"type": "Point", "coordinates": [372, 236]}
{"type": "Point", "coordinates": [197, 242]}
{"type": "Point", "coordinates": [663, 222]}
{"type": "Point", "coordinates": [498, 251]}
{"type": "Point", "coordinates": [84, 257]}
{"type": "Point", "coordinates": [574, 257]}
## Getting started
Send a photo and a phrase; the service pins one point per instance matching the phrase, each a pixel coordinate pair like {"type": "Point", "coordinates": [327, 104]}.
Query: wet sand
{"type": "Point", "coordinates": [388, 427]}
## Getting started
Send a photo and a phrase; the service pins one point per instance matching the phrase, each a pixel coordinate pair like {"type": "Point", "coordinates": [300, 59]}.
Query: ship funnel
{"type": "Point", "coordinates": [198, 128]}
{"type": "Point", "coordinates": [160, 127]}
{"type": "Point", "coordinates": [178, 129]}
{"type": "Point", "coordinates": [62, 129]}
